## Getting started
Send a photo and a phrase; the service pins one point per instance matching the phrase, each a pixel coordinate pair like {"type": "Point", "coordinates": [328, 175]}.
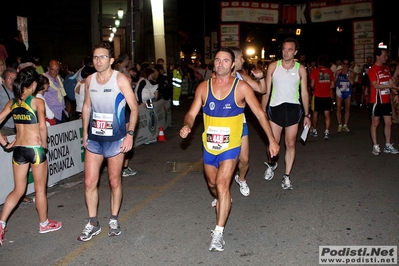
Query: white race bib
{"type": "Point", "coordinates": [217, 138]}
{"type": "Point", "coordinates": [102, 124]}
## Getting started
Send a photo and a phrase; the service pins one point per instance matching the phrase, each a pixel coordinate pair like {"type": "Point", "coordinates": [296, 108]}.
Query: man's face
{"type": "Point", "coordinates": [289, 50]}
{"type": "Point", "coordinates": [383, 57]}
{"type": "Point", "coordinates": [101, 60]}
{"type": "Point", "coordinates": [239, 62]}
{"type": "Point", "coordinates": [10, 77]}
{"type": "Point", "coordinates": [223, 63]}
{"type": "Point", "coordinates": [53, 69]}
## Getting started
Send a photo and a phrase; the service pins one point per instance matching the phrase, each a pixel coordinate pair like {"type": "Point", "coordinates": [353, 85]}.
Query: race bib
{"type": "Point", "coordinates": [217, 138]}
{"type": "Point", "coordinates": [385, 91]}
{"type": "Point", "coordinates": [102, 124]}
{"type": "Point", "coordinates": [344, 86]}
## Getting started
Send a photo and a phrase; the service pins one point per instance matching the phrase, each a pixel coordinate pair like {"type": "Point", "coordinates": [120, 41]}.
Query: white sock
{"type": "Point", "coordinates": [3, 224]}
{"type": "Point", "coordinates": [219, 228]}
{"type": "Point", "coordinates": [44, 223]}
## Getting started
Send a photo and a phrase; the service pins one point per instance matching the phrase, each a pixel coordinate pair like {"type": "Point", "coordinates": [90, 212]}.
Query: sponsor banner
{"type": "Point", "coordinates": [252, 12]}
{"type": "Point", "coordinates": [361, 255]}
{"type": "Point", "coordinates": [232, 43]}
{"type": "Point", "coordinates": [230, 29]}
{"type": "Point", "coordinates": [65, 147]}
{"type": "Point", "coordinates": [325, 11]}
{"type": "Point", "coordinates": [229, 38]}
{"type": "Point", "coordinates": [363, 39]}
{"type": "Point", "coordinates": [150, 120]}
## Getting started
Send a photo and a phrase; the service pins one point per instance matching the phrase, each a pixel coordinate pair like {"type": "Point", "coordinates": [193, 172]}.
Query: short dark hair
{"type": "Point", "coordinates": [107, 46]}
{"type": "Point", "coordinates": [228, 50]}
{"type": "Point", "coordinates": [378, 52]}
{"type": "Point", "coordinates": [294, 41]}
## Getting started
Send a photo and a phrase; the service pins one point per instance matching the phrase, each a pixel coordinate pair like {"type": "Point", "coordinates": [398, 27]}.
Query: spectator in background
{"type": "Point", "coordinates": [81, 87]}
{"type": "Point", "coordinates": [122, 65]}
{"type": "Point", "coordinates": [353, 67]}
{"type": "Point", "coordinates": [177, 81]}
{"type": "Point", "coordinates": [6, 93]}
{"type": "Point", "coordinates": [164, 88]}
{"type": "Point", "coordinates": [3, 67]}
{"type": "Point", "coordinates": [42, 86]}
{"type": "Point", "coordinates": [55, 96]}
{"type": "Point", "coordinates": [3, 51]}
{"type": "Point", "coordinates": [205, 71]}
{"type": "Point", "coordinates": [145, 90]}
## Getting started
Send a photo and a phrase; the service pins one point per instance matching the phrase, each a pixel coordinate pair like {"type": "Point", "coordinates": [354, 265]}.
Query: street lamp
{"type": "Point", "coordinates": [117, 22]}
{"type": "Point", "coordinates": [120, 13]}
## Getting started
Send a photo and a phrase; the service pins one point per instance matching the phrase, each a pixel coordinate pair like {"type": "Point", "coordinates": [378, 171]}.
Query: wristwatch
{"type": "Point", "coordinates": [308, 116]}
{"type": "Point", "coordinates": [131, 133]}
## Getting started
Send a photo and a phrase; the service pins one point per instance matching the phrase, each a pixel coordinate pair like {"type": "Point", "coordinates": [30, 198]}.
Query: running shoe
{"type": "Point", "coordinates": [1, 235]}
{"type": "Point", "coordinates": [326, 136]}
{"type": "Point", "coordinates": [244, 189]}
{"type": "Point", "coordinates": [217, 243]}
{"type": "Point", "coordinates": [128, 172]}
{"type": "Point", "coordinates": [50, 227]}
{"type": "Point", "coordinates": [345, 128]}
{"type": "Point", "coordinates": [339, 128]}
{"type": "Point", "coordinates": [376, 150]}
{"type": "Point", "coordinates": [314, 133]}
{"type": "Point", "coordinates": [114, 228]}
{"type": "Point", "coordinates": [390, 149]}
{"type": "Point", "coordinates": [89, 231]}
{"type": "Point", "coordinates": [286, 183]}
{"type": "Point", "coordinates": [269, 173]}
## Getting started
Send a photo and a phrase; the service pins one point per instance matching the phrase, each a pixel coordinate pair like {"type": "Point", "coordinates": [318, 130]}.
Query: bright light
{"type": "Point", "coordinates": [381, 45]}
{"type": "Point", "coordinates": [250, 51]}
{"type": "Point", "coordinates": [117, 22]}
{"type": "Point", "coordinates": [263, 53]}
{"type": "Point", "coordinates": [112, 35]}
{"type": "Point", "coordinates": [110, 39]}
{"type": "Point", "coordinates": [120, 13]}
{"type": "Point", "coordinates": [298, 32]}
{"type": "Point", "coordinates": [114, 29]}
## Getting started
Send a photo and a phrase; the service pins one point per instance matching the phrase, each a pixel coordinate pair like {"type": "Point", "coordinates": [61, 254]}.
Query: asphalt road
{"type": "Point", "coordinates": [343, 195]}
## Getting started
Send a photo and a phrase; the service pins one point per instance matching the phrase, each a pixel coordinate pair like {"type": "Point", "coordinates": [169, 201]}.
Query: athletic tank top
{"type": "Point", "coordinates": [23, 112]}
{"type": "Point", "coordinates": [223, 121]}
{"type": "Point", "coordinates": [287, 84]}
{"type": "Point", "coordinates": [343, 83]}
{"type": "Point", "coordinates": [107, 118]}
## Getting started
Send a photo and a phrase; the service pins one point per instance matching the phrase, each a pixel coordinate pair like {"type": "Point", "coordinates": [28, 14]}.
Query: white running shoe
{"type": "Point", "coordinates": [269, 173]}
{"type": "Point", "coordinates": [390, 149]}
{"type": "Point", "coordinates": [286, 183]}
{"type": "Point", "coordinates": [244, 189]}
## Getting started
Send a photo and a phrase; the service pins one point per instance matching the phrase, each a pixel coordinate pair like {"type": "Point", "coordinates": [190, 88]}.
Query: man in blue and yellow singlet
{"type": "Point", "coordinates": [223, 99]}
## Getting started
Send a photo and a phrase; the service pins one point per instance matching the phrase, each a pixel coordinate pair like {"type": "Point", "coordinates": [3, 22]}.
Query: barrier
{"type": "Point", "coordinates": [65, 145]}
